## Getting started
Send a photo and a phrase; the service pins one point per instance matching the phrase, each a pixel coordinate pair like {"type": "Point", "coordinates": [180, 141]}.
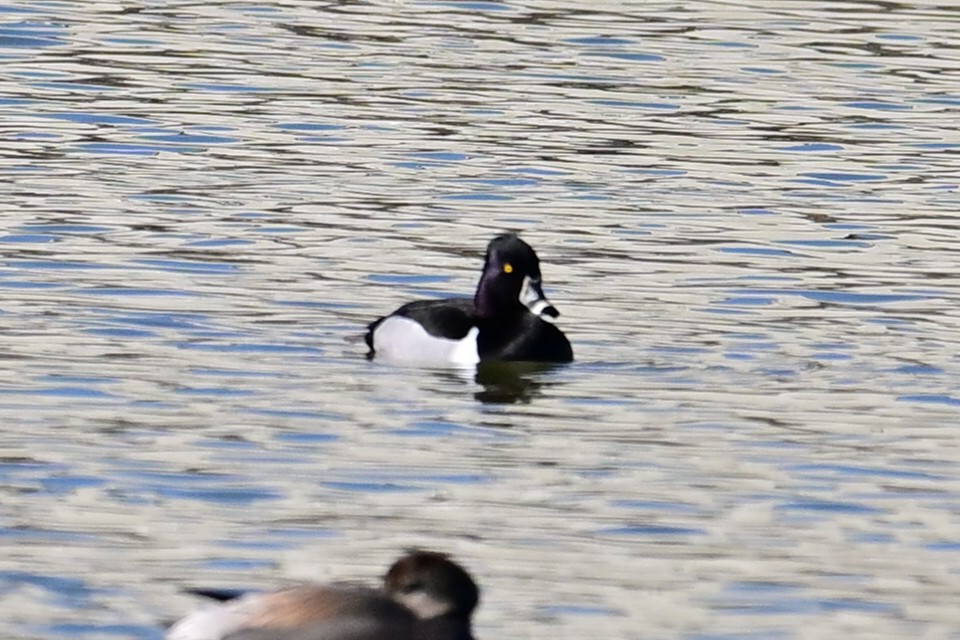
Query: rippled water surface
{"type": "Point", "coordinates": [747, 214]}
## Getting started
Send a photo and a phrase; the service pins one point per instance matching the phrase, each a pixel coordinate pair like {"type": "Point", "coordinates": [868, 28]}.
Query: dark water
{"type": "Point", "coordinates": [746, 213]}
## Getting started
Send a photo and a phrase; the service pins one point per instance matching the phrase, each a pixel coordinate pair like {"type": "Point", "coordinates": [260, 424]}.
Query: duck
{"type": "Point", "coordinates": [505, 320]}
{"type": "Point", "coordinates": [425, 596]}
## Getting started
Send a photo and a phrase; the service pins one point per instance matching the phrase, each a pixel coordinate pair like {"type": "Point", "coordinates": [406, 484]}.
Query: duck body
{"type": "Point", "coordinates": [426, 596]}
{"type": "Point", "coordinates": [306, 612]}
{"type": "Point", "coordinates": [503, 321]}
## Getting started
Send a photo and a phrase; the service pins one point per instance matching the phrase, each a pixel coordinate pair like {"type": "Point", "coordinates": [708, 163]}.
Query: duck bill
{"type": "Point", "coordinates": [531, 295]}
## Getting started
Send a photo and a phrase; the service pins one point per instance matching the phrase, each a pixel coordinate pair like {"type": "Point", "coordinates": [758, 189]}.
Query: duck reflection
{"type": "Point", "coordinates": [512, 382]}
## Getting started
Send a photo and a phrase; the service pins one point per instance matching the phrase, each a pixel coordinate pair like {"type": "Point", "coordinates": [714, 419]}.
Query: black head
{"type": "Point", "coordinates": [431, 585]}
{"type": "Point", "coordinates": [511, 280]}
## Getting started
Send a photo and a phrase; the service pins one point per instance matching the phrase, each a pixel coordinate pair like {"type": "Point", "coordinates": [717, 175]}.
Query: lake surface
{"type": "Point", "coordinates": [747, 217]}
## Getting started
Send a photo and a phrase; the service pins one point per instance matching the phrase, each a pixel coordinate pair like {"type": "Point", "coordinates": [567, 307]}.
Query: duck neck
{"type": "Point", "coordinates": [489, 306]}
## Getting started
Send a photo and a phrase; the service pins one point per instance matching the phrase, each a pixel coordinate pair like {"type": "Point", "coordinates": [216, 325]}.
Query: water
{"type": "Point", "coordinates": [746, 217]}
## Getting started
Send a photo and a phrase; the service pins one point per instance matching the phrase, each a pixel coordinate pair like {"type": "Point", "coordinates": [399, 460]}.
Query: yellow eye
{"type": "Point", "coordinates": [508, 268]}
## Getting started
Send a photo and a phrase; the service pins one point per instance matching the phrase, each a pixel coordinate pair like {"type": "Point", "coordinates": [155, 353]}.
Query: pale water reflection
{"type": "Point", "coordinates": [746, 216]}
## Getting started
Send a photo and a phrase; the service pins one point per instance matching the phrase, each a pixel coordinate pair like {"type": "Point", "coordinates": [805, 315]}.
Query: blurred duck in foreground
{"type": "Point", "coordinates": [425, 596]}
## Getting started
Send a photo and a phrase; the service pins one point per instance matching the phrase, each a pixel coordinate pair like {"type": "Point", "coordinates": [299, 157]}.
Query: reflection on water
{"type": "Point", "coordinates": [746, 214]}
{"type": "Point", "coordinates": [508, 382]}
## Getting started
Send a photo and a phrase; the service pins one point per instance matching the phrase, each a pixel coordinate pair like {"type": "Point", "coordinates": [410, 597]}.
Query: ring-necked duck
{"type": "Point", "coordinates": [504, 321]}
{"type": "Point", "coordinates": [425, 596]}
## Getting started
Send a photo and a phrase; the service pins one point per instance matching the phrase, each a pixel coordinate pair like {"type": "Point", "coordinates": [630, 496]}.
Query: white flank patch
{"type": "Point", "coordinates": [401, 340]}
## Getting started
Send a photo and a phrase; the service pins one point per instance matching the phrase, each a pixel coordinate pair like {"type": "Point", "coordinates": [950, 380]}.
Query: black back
{"type": "Point", "coordinates": [451, 319]}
